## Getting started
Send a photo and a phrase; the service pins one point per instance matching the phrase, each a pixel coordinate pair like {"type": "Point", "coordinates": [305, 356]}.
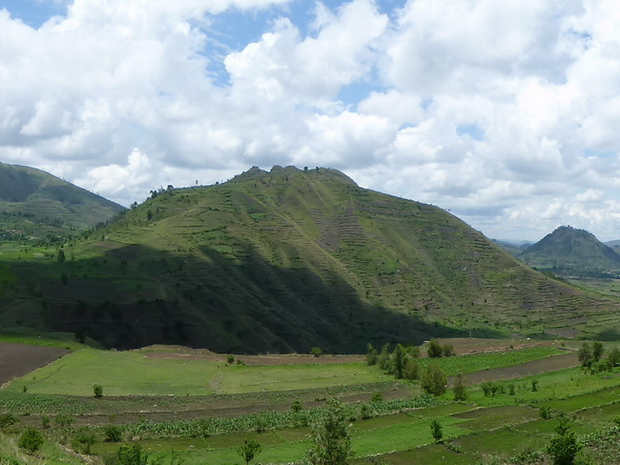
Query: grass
{"type": "Point", "coordinates": [478, 362]}
{"type": "Point", "coordinates": [243, 379]}
{"type": "Point", "coordinates": [120, 374]}
{"type": "Point", "coordinates": [132, 373]}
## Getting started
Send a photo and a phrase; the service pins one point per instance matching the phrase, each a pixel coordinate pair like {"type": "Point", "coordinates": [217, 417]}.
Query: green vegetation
{"type": "Point", "coordinates": [286, 426]}
{"type": "Point", "coordinates": [286, 261]}
{"type": "Point", "coordinates": [36, 205]}
{"type": "Point", "coordinates": [573, 252]}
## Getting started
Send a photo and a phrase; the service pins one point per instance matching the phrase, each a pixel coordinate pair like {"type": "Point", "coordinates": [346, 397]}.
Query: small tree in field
{"type": "Point", "coordinates": [98, 390]}
{"type": "Point", "coordinates": [459, 388]}
{"type": "Point", "coordinates": [435, 350]}
{"type": "Point", "coordinates": [398, 361]}
{"type": "Point", "coordinates": [434, 380]}
{"type": "Point", "coordinates": [563, 449]}
{"type": "Point", "coordinates": [316, 351]}
{"type": "Point", "coordinates": [436, 431]}
{"type": "Point", "coordinates": [331, 437]}
{"type": "Point", "coordinates": [249, 450]}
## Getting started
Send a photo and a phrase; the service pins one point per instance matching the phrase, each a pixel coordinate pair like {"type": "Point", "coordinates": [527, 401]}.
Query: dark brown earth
{"type": "Point", "coordinates": [20, 359]}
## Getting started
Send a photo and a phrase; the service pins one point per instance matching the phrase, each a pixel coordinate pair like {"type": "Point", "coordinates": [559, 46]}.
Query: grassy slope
{"type": "Point", "coordinates": [36, 203]}
{"type": "Point", "coordinates": [288, 260]}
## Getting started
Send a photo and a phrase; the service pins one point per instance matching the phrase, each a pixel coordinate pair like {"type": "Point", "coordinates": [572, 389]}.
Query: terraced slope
{"type": "Point", "coordinates": [290, 259]}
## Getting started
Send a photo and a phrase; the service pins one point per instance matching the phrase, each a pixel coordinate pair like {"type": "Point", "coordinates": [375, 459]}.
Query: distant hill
{"type": "Point", "coordinates": [284, 261]}
{"type": "Point", "coordinates": [571, 251]}
{"type": "Point", "coordinates": [34, 203]}
{"type": "Point", "coordinates": [514, 248]}
{"type": "Point", "coordinates": [615, 245]}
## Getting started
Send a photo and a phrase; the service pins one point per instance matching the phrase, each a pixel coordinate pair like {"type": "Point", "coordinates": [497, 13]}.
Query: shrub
{"type": "Point", "coordinates": [296, 407]}
{"type": "Point", "coordinates": [7, 420]}
{"type": "Point", "coordinates": [63, 420]}
{"type": "Point", "coordinates": [458, 388]}
{"type": "Point", "coordinates": [83, 439]}
{"type": "Point", "coordinates": [30, 441]}
{"type": "Point", "coordinates": [435, 350]}
{"type": "Point", "coordinates": [316, 351]}
{"type": "Point", "coordinates": [448, 350]}
{"type": "Point", "coordinates": [112, 433]}
{"type": "Point", "coordinates": [98, 391]}
{"type": "Point", "coordinates": [545, 413]}
{"type": "Point", "coordinates": [412, 369]}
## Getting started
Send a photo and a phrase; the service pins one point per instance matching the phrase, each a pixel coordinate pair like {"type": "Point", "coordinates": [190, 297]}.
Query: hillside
{"type": "Point", "coordinates": [287, 260]}
{"type": "Point", "coordinates": [34, 203]}
{"type": "Point", "coordinates": [571, 251]}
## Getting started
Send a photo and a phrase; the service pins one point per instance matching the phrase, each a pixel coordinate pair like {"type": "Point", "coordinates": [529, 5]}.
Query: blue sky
{"type": "Point", "coordinates": [505, 113]}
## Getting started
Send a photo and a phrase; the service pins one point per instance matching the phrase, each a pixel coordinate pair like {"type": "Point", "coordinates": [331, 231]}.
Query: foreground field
{"type": "Point", "coordinates": [204, 405]}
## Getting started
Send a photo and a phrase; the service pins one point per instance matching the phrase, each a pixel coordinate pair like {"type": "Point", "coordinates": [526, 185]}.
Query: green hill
{"type": "Point", "coordinates": [284, 261]}
{"type": "Point", "coordinates": [34, 203]}
{"type": "Point", "coordinates": [570, 251]}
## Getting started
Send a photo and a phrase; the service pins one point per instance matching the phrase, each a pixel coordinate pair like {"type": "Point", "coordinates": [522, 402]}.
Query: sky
{"type": "Point", "coordinates": [505, 113]}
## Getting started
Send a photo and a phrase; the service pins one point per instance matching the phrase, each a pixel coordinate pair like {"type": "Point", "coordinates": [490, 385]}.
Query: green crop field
{"type": "Point", "coordinates": [203, 409]}
{"type": "Point", "coordinates": [133, 373]}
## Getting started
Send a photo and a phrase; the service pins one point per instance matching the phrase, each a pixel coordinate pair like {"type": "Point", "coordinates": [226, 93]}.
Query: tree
{"type": "Point", "coordinates": [113, 433]}
{"type": "Point", "coordinates": [84, 439]}
{"type": "Point", "coordinates": [448, 350]}
{"type": "Point", "coordinates": [613, 358]}
{"type": "Point", "coordinates": [398, 361]}
{"type": "Point", "coordinates": [384, 358]}
{"type": "Point", "coordinates": [98, 390]}
{"type": "Point", "coordinates": [412, 369]}
{"type": "Point", "coordinates": [30, 440]}
{"type": "Point", "coordinates": [434, 380]}
{"type": "Point", "coordinates": [563, 449]}
{"type": "Point", "coordinates": [436, 431]}
{"type": "Point", "coordinates": [60, 258]}
{"type": "Point", "coordinates": [249, 450]}
{"type": "Point", "coordinates": [597, 350]}
{"type": "Point", "coordinates": [132, 455]}
{"type": "Point", "coordinates": [371, 355]}
{"type": "Point", "coordinates": [435, 350]}
{"type": "Point", "coordinates": [316, 351]}
{"type": "Point", "coordinates": [331, 437]}
{"type": "Point", "coordinates": [586, 356]}
{"type": "Point", "coordinates": [458, 387]}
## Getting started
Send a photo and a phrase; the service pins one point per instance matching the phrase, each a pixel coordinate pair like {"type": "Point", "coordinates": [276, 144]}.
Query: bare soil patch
{"type": "Point", "coordinates": [20, 359]}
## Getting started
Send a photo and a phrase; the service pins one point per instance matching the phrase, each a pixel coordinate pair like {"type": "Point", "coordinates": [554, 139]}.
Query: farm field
{"type": "Point", "coordinates": [204, 407]}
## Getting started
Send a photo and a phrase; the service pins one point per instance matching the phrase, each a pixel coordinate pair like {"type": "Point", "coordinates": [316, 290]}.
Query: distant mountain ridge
{"type": "Point", "coordinates": [285, 260]}
{"type": "Point", "coordinates": [569, 250]}
{"type": "Point", "coordinates": [36, 203]}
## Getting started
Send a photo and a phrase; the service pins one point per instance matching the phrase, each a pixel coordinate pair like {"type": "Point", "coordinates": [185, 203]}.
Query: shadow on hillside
{"type": "Point", "coordinates": [135, 296]}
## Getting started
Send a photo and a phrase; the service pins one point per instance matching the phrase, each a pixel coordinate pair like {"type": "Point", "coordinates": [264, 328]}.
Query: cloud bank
{"type": "Point", "coordinates": [505, 113]}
